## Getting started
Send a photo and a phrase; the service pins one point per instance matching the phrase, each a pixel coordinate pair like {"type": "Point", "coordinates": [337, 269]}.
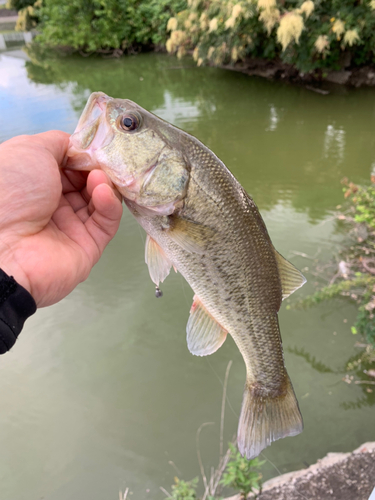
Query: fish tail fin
{"type": "Point", "coordinates": [265, 418]}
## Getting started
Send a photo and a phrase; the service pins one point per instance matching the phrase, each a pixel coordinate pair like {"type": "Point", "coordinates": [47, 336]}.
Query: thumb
{"type": "Point", "coordinates": [104, 221]}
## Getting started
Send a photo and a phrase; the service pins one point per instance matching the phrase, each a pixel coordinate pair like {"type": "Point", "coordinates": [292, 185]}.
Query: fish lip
{"type": "Point", "coordinates": [92, 131]}
{"type": "Point", "coordinates": [88, 115]}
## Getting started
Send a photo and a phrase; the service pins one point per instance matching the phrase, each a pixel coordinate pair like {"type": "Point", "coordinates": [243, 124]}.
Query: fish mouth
{"type": "Point", "coordinates": [92, 132]}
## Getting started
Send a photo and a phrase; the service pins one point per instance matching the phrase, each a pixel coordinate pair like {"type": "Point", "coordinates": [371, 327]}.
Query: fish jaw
{"type": "Point", "coordinates": [91, 134]}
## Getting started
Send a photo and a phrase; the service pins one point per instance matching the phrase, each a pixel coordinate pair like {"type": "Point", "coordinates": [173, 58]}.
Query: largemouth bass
{"type": "Point", "coordinates": [200, 220]}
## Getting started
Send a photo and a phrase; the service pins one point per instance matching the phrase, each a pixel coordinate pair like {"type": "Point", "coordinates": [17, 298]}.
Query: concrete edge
{"type": "Point", "coordinates": [328, 461]}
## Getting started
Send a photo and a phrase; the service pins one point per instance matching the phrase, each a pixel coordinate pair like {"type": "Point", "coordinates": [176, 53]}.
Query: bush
{"type": "Point", "coordinates": [184, 490]}
{"type": "Point", "coordinates": [105, 25]}
{"type": "Point", "coordinates": [28, 17]}
{"type": "Point", "coordinates": [363, 201]}
{"type": "Point", "coordinates": [19, 4]}
{"type": "Point", "coordinates": [309, 35]}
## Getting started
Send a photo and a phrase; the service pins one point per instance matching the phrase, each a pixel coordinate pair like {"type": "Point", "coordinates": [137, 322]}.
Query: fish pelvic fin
{"type": "Point", "coordinates": [291, 278]}
{"type": "Point", "coordinates": [265, 419]}
{"type": "Point", "coordinates": [204, 335]}
{"type": "Point", "coordinates": [158, 263]}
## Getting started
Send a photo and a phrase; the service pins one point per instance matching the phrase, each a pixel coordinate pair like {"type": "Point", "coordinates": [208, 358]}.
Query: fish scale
{"type": "Point", "coordinates": [201, 221]}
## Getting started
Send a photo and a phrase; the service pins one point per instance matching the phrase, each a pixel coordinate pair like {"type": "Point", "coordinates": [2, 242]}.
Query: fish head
{"type": "Point", "coordinates": [137, 150]}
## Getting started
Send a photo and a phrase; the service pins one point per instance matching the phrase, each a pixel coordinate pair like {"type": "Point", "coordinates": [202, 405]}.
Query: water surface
{"type": "Point", "coordinates": [100, 392]}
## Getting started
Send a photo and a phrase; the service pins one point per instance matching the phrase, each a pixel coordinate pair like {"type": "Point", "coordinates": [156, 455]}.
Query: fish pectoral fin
{"type": "Point", "coordinates": [291, 278]}
{"type": "Point", "coordinates": [204, 334]}
{"type": "Point", "coordinates": [189, 235]}
{"type": "Point", "coordinates": [158, 263]}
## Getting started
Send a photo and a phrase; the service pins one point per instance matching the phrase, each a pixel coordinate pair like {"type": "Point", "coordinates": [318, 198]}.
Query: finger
{"type": "Point", "coordinates": [79, 200]}
{"type": "Point", "coordinates": [55, 141]}
{"type": "Point", "coordinates": [105, 220]}
{"type": "Point", "coordinates": [90, 207]}
{"type": "Point", "coordinates": [97, 177]}
{"type": "Point", "coordinates": [76, 200]}
{"type": "Point", "coordinates": [73, 181]}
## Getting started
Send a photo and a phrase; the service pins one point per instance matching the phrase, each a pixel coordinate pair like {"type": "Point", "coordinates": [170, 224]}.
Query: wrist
{"type": "Point", "coordinates": [16, 305]}
{"type": "Point", "coordinates": [10, 265]}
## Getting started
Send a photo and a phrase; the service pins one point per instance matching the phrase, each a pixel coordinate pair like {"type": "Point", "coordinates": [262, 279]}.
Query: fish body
{"type": "Point", "coordinates": [200, 220]}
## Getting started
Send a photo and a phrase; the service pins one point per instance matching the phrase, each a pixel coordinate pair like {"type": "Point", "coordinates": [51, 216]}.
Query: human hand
{"type": "Point", "coordinates": [54, 225]}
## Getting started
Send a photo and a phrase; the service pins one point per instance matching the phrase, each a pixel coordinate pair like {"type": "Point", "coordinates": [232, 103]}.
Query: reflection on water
{"type": "Point", "coordinates": [177, 111]}
{"type": "Point", "coordinates": [101, 393]}
{"type": "Point", "coordinates": [353, 371]}
{"type": "Point", "coordinates": [334, 143]}
{"type": "Point", "coordinates": [274, 119]}
{"type": "Point", "coordinates": [313, 362]}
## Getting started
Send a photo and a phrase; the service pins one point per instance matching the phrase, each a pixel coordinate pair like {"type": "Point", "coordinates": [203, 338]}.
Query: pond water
{"type": "Point", "coordinates": [100, 393]}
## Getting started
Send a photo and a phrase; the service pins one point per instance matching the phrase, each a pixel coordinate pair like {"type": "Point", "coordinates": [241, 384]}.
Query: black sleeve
{"type": "Point", "coordinates": [16, 305]}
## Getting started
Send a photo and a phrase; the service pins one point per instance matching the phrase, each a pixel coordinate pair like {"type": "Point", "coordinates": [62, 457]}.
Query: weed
{"type": "Point", "coordinates": [242, 474]}
{"type": "Point", "coordinates": [184, 490]}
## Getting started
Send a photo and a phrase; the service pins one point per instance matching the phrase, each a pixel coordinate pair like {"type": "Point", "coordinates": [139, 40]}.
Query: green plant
{"type": "Point", "coordinates": [358, 280]}
{"type": "Point", "coordinates": [242, 474]}
{"type": "Point", "coordinates": [111, 26]}
{"type": "Point", "coordinates": [184, 490]}
{"type": "Point", "coordinates": [363, 202]}
{"type": "Point", "coordinates": [358, 283]}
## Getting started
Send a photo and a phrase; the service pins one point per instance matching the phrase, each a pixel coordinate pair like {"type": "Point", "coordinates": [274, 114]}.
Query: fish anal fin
{"type": "Point", "coordinates": [158, 263]}
{"type": "Point", "coordinates": [265, 419]}
{"type": "Point", "coordinates": [189, 235]}
{"type": "Point", "coordinates": [291, 278]}
{"type": "Point", "coordinates": [204, 334]}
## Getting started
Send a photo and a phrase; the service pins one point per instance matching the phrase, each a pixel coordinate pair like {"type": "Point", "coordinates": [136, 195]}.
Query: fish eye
{"type": "Point", "coordinates": [130, 122]}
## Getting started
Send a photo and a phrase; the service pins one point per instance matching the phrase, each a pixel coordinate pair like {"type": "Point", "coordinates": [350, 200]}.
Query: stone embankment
{"type": "Point", "coordinates": [277, 70]}
{"type": "Point", "coordinates": [338, 476]}
{"type": "Point", "coordinates": [8, 19]}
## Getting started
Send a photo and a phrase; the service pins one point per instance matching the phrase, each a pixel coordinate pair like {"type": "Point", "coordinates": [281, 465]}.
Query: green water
{"type": "Point", "coordinates": [100, 392]}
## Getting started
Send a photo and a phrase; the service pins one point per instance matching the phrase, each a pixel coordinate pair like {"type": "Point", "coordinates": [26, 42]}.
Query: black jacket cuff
{"type": "Point", "coordinates": [16, 305]}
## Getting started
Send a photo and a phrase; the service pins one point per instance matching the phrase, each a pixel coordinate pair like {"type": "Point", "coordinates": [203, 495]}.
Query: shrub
{"type": "Point", "coordinates": [19, 4]}
{"type": "Point", "coordinates": [105, 25]}
{"type": "Point", "coordinates": [309, 35]}
{"type": "Point", "coordinates": [28, 17]}
{"type": "Point", "coordinates": [184, 490]}
{"type": "Point", "coordinates": [363, 201]}
{"type": "Point", "coordinates": [242, 474]}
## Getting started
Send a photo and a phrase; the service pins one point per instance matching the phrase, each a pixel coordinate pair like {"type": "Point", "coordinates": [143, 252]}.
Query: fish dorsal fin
{"type": "Point", "coordinates": [189, 235]}
{"type": "Point", "coordinates": [158, 263]}
{"type": "Point", "coordinates": [291, 278]}
{"type": "Point", "coordinates": [204, 334]}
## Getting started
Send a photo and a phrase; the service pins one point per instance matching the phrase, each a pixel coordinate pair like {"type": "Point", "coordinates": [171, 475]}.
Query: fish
{"type": "Point", "coordinates": [201, 221]}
